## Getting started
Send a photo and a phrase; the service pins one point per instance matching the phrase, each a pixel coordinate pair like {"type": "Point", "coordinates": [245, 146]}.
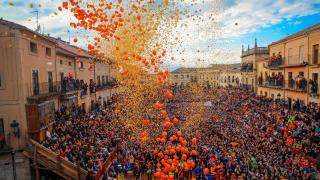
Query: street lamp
{"type": "Point", "coordinates": [15, 127]}
{"type": "Point", "coordinates": [279, 95]}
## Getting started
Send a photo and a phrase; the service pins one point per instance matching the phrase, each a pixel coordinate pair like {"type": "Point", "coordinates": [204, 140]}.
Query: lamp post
{"type": "Point", "coordinates": [13, 164]}
{"type": "Point", "coordinates": [16, 131]}
{"type": "Point", "coordinates": [15, 128]}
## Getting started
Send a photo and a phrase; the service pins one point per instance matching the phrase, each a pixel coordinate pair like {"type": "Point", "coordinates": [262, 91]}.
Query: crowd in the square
{"type": "Point", "coordinates": [240, 136]}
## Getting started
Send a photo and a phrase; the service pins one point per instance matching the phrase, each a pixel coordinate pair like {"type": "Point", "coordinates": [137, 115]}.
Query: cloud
{"type": "Point", "coordinates": [208, 35]}
{"type": "Point", "coordinates": [235, 19]}
{"type": "Point", "coordinates": [251, 15]}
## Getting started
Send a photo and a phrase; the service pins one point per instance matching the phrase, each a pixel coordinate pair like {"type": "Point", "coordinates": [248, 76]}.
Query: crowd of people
{"type": "Point", "coordinates": [240, 136]}
{"type": "Point", "coordinates": [275, 60]}
{"type": "Point", "coordinates": [69, 84]}
{"type": "Point", "coordinates": [273, 80]}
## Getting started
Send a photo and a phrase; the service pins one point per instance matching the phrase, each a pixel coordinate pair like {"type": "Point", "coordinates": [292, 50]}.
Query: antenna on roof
{"type": "Point", "coordinates": [38, 28]}
{"type": "Point", "coordinates": [68, 31]}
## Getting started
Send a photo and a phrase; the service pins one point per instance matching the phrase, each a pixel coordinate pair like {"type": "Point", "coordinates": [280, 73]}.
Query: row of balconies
{"type": "Point", "coordinates": [296, 60]}
{"type": "Point", "coordinates": [36, 90]}
{"type": "Point", "coordinates": [294, 85]}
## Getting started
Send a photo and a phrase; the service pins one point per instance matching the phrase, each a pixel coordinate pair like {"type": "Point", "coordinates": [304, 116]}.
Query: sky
{"type": "Point", "coordinates": [215, 37]}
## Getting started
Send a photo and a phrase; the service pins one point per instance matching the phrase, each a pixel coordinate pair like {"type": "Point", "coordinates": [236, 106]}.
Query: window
{"type": "Point", "coordinates": [176, 76]}
{"type": "Point", "coordinates": [289, 55]}
{"type": "Point", "coordinates": [289, 75]}
{"type": "Point", "coordinates": [98, 79]}
{"type": "Point", "coordinates": [187, 76]}
{"type": "Point", "coordinates": [81, 65]}
{"type": "Point", "coordinates": [35, 82]}
{"type": "Point", "coordinates": [70, 63]}
{"type": "Point", "coordinates": [48, 52]}
{"type": "Point", "coordinates": [2, 135]}
{"type": "Point", "coordinates": [33, 47]}
{"type": "Point", "coordinates": [1, 80]}
{"type": "Point", "coordinates": [315, 54]}
{"type": "Point", "coordinates": [301, 55]}
{"type": "Point", "coordinates": [50, 81]}
{"type": "Point", "coordinates": [61, 76]}
{"type": "Point", "coordinates": [60, 61]}
{"type": "Point", "coordinates": [103, 80]}
{"type": "Point", "coordinates": [182, 76]}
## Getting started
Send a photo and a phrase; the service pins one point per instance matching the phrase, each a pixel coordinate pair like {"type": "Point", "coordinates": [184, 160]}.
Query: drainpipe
{"type": "Point", "coordinates": [284, 71]}
{"type": "Point", "coordinates": [94, 79]}
{"type": "Point", "coordinates": [308, 68]}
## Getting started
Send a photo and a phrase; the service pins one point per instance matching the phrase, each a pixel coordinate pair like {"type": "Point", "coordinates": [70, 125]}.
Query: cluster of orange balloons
{"type": "Point", "coordinates": [107, 17]}
{"type": "Point", "coordinates": [172, 144]}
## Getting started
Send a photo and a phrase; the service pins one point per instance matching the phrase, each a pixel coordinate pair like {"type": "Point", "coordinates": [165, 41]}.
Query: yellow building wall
{"type": "Point", "coordinates": [296, 95]}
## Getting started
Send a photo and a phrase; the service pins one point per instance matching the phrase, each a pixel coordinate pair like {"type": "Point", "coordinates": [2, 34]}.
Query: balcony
{"type": "Point", "coordinates": [247, 67]}
{"type": "Point", "coordinates": [274, 63]}
{"type": "Point", "coordinates": [257, 50]}
{"type": "Point", "coordinates": [296, 61]}
{"type": "Point", "coordinates": [35, 91]}
{"type": "Point", "coordinates": [300, 85]}
{"type": "Point", "coordinates": [107, 85]}
{"type": "Point", "coordinates": [273, 83]}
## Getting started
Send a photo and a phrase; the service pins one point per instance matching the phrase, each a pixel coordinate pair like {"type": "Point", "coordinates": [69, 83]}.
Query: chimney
{"type": "Point", "coordinates": [255, 43]}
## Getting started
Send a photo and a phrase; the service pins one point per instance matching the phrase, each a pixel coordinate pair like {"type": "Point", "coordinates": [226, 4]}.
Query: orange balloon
{"type": "Point", "coordinates": [167, 119]}
{"type": "Point", "coordinates": [206, 171]}
{"type": "Point", "coordinates": [184, 143]}
{"type": "Point", "coordinates": [158, 105]}
{"type": "Point", "coordinates": [179, 133]}
{"type": "Point", "coordinates": [163, 113]}
{"type": "Point", "coordinates": [169, 94]}
{"type": "Point", "coordinates": [164, 134]}
{"type": "Point", "coordinates": [155, 151]}
{"type": "Point", "coordinates": [160, 155]}
{"type": "Point", "coordinates": [145, 122]}
{"type": "Point", "coordinates": [184, 157]}
{"type": "Point", "coordinates": [175, 120]}
{"type": "Point", "coordinates": [194, 141]}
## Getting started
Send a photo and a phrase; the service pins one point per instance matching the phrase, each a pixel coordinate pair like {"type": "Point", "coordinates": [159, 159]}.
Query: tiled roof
{"type": "Point", "coordinates": [62, 46]}
{"type": "Point", "coordinates": [23, 28]}
{"type": "Point", "coordinates": [184, 70]}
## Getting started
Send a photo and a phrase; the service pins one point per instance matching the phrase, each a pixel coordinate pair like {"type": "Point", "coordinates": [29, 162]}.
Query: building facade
{"type": "Point", "coordinates": [292, 69]}
{"type": "Point", "coordinates": [38, 74]}
{"type": "Point", "coordinates": [248, 67]}
{"type": "Point", "coordinates": [215, 76]}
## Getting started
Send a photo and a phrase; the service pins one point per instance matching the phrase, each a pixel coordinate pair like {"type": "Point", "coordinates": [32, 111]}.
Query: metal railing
{"type": "Point", "coordinates": [46, 88]}
{"type": "Point", "coordinates": [274, 63]}
{"type": "Point", "coordinates": [297, 59]}
{"type": "Point", "coordinates": [257, 50]}
{"type": "Point", "coordinates": [34, 89]}
{"type": "Point", "coordinates": [106, 85]}
{"type": "Point", "coordinates": [274, 83]}
{"type": "Point", "coordinates": [297, 85]}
